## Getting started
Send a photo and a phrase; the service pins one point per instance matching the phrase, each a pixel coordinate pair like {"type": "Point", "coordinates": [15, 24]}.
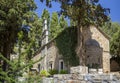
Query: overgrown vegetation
{"type": "Point", "coordinates": [53, 71]}
{"type": "Point", "coordinates": [66, 43]}
{"type": "Point", "coordinates": [63, 72]}
{"type": "Point", "coordinates": [44, 73]}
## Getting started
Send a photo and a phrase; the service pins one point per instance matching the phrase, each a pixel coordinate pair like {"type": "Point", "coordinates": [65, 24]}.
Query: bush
{"type": "Point", "coordinates": [53, 71]}
{"type": "Point", "coordinates": [44, 73]}
{"type": "Point", "coordinates": [63, 72]}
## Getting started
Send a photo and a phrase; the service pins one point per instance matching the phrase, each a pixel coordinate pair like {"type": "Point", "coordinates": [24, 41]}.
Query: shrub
{"type": "Point", "coordinates": [63, 72]}
{"type": "Point", "coordinates": [53, 71]}
{"type": "Point", "coordinates": [44, 73]}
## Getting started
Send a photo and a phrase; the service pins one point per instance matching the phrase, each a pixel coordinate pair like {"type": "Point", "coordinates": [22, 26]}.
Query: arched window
{"type": "Point", "coordinates": [92, 42]}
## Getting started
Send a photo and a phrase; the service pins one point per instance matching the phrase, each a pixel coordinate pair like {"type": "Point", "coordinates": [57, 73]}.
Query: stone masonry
{"type": "Point", "coordinates": [100, 42]}
{"type": "Point", "coordinates": [77, 77]}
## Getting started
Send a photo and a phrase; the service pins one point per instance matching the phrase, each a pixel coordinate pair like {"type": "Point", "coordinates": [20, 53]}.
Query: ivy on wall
{"type": "Point", "coordinates": [66, 43]}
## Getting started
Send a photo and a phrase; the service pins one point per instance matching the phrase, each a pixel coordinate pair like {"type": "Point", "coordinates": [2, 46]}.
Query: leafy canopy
{"type": "Point", "coordinates": [84, 12]}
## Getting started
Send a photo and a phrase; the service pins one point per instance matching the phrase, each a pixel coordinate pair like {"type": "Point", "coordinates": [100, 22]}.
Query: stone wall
{"type": "Point", "coordinates": [51, 58]}
{"type": "Point", "coordinates": [83, 78]}
{"type": "Point", "coordinates": [80, 75]}
{"type": "Point", "coordinates": [96, 34]}
{"type": "Point", "coordinates": [104, 43]}
{"type": "Point", "coordinates": [36, 58]}
{"type": "Point", "coordinates": [79, 69]}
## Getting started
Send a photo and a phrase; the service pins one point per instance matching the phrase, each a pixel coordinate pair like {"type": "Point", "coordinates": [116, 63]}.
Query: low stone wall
{"type": "Point", "coordinates": [83, 78]}
{"type": "Point", "coordinates": [95, 71]}
{"type": "Point", "coordinates": [47, 80]}
{"type": "Point", "coordinates": [79, 70]}
{"type": "Point", "coordinates": [80, 75]}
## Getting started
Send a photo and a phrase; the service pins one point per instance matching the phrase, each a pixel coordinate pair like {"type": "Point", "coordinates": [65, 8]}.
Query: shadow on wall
{"type": "Point", "coordinates": [93, 50]}
{"type": "Point", "coordinates": [93, 53]}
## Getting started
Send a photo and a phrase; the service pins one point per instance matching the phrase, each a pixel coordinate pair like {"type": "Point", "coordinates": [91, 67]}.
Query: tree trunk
{"type": "Point", "coordinates": [80, 46]}
{"type": "Point", "coordinates": [6, 53]}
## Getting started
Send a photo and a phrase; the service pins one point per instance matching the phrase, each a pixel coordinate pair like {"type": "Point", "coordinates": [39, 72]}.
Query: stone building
{"type": "Point", "coordinates": [52, 59]}
{"type": "Point", "coordinates": [97, 48]}
{"type": "Point", "coordinates": [96, 51]}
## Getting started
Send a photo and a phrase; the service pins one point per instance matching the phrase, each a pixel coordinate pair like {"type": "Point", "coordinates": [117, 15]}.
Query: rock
{"type": "Point", "coordinates": [79, 70]}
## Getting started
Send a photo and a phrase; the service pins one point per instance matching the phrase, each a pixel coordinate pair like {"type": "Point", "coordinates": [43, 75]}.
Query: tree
{"type": "Point", "coordinates": [110, 28]}
{"type": "Point", "coordinates": [11, 18]}
{"type": "Point", "coordinates": [57, 25]}
{"type": "Point", "coordinates": [115, 43]}
{"type": "Point", "coordinates": [115, 47]}
{"type": "Point", "coordinates": [30, 47]}
{"type": "Point", "coordinates": [72, 23]}
{"type": "Point", "coordinates": [113, 31]}
{"type": "Point", "coordinates": [62, 23]}
{"type": "Point", "coordinates": [25, 48]}
{"type": "Point", "coordinates": [45, 15]}
{"type": "Point", "coordinates": [54, 26]}
{"type": "Point", "coordinates": [11, 22]}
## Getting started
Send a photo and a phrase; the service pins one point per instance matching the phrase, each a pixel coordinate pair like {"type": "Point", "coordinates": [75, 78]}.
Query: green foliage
{"type": "Point", "coordinates": [115, 44]}
{"type": "Point", "coordinates": [62, 23]}
{"type": "Point", "coordinates": [53, 71]}
{"type": "Point", "coordinates": [57, 25]}
{"type": "Point", "coordinates": [11, 21]}
{"type": "Point", "coordinates": [4, 76]}
{"type": "Point", "coordinates": [85, 12]}
{"type": "Point", "coordinates": [113, 31]}
{"type": "Point", "coordinates": [20, 32]}
{"type": "Point", "coordinates": [73, 23]}
{"type": "Point", "coordinates": [66, 43]}
{"type": "Point", "coordinates": [45, 15]}
{"type": "Point", "coordinates": [63, 72]}
{"type": "Point", "coordinates": [44, 73]}
{"type": "Point", "coordinates": [110, 28]}
{"type": "Point", "coordinates": [54, 28]}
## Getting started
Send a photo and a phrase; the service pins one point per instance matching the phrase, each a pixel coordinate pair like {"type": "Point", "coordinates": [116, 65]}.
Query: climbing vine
{"type": "Point", "coordinates": [66, 43]}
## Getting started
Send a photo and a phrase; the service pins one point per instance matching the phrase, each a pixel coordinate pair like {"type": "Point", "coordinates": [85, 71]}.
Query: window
{"type": "Point", "coordinates": [61, 65]}
{"type": "Point", "coordinates": [38, 67]}
{"type": "Point", "coordinates": [50, 65]}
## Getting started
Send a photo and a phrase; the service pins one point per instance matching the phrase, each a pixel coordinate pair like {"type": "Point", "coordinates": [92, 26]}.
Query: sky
{"type": "Point", "coordinates": [114, 6]}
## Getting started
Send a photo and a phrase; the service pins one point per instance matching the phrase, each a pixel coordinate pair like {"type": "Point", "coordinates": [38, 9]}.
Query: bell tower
{"type": "Point", "coordinates": [44, 42]}
{"type": "Point", "coordinates": [45, 33]}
